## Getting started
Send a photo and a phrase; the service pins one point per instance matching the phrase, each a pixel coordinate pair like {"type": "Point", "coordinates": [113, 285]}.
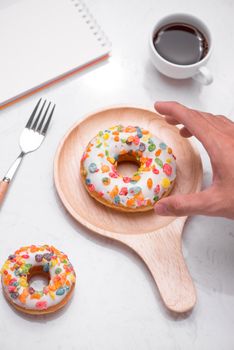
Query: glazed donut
{"type": "Point", "coordinates": [38, 260]}
{"type": "Point", "coordinates": [153, 180]}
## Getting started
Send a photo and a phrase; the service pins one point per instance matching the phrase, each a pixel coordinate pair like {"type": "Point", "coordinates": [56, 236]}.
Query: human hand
{"type": "Point", "coordinates": [216, 133]}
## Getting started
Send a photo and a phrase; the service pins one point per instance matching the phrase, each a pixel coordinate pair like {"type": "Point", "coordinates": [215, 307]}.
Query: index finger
{"type": "Point", "coordinates": [192, 120]}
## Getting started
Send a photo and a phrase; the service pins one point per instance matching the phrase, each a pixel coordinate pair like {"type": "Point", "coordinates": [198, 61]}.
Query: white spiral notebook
{"type": "Point", "coordinates": [43, 41]}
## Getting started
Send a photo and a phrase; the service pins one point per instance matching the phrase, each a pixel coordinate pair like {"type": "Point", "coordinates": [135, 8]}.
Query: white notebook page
{"type": "Point", "coordinates": [42, 40]}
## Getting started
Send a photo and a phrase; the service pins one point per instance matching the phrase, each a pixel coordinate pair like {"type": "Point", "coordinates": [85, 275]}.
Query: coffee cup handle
{"type": "Point", "coordinates": [203, 76]}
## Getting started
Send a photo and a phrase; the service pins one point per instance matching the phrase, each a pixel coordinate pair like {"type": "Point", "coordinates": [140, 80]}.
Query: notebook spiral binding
{"type": "Point", "coordinates": [91, 22]}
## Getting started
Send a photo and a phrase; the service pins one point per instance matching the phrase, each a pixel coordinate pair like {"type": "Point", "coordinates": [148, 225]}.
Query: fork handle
{"type": "Point", "coordinates": [11, 172]}
{"type": "Point", "coordinates": [4, 184]}
{"type": "Point", "coordinates": [3, 189]}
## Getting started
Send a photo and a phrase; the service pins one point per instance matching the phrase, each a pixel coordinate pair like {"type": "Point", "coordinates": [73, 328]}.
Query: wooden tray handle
{"type": "Point", "coordinates": [162, 253]}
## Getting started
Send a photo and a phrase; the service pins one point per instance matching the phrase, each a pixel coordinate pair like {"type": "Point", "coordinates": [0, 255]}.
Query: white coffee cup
{"type": "Point", "coordinates": [198, 70]}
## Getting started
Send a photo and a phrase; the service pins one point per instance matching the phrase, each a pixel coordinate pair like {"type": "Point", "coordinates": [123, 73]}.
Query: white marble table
{"type": "Point", "coordinates": [116, 304]}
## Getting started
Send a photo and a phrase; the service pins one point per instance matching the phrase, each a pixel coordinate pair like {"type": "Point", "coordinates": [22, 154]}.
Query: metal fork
{"type": "Point", "coordinates": [30, 139]}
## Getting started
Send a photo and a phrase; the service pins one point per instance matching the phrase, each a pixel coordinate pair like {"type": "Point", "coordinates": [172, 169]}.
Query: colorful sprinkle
{"type": "Point", "coordinates": [139, 133]}
{"type": "Point", "coordinates": [123, 191]}
{"type": "Point", "coordinates": [111, 160]}
{"type": "Point", "coordinates": [117, 199]}
{"type": "Point", "coordinates": [120, 128]}
{"type": "Point", "coordinates": [60, 291]}
{"type": "Point", "coordinates": [91, 188]}
{"type": "Point", "coordinates": [47, 256]}
{"type": "Point", "coordinates": [46, 267]}
{"type": "Point", "coordinates": [167, 169]}
{"type": "Point", "coordinates": [142, 147]}
{"type": "Point", "coordinates": [149, 183]}
{"type": "Point", "coordinates": [87, 181]}
{"type": "Point", "coordinates": [92, 168]}
{"type": "Point", "coordinates": [11, 257]}
{"type": "Point", "coordinates": [41, 305]}
{"type": "Point", "coordinates": [130, 140]}
{"type": "Point", "coordinates": [159, 162]}
{"type": "Point", "coordinates": [130, 129]}
{"type": "Point", "coordinates": [162, 145]}
{"type": "Point", "coordinates": [106, 181]}
{"type": "Point", "coordinates": [114, 175]}
{"type": "Point", "coordinates": [158, 152]}
{"type": "Point", "coordinates": [23, 282]}
{"type": "Point", "coordinates": [31, 290]}
{"type": "Point", "coordinates": [148, 162]}
{"type": "Point", "coordinates": [25, 256]}
{"type": "Point", "coordinates": [135, 190]}
{"type": "Point", "coordinates": [38, 258]}
{"type": "Point", "coordinates": [151, 147]}
{"type": "Point", "coordinates": [106, 136]}
{"type": "Point", "coordinates": [157, 189]}
{"type": "Point", "coordinates": [136, 140]}
{"type": "Point", "coordinates": [169, 150]}
{"type": "Point", "coordinates": [165, 182]}
{"type": "Point", "coordinates": [114, 192]}
{"type": "Point", "coordinates": [136, 178]}
{"type": "Point", "coordinates": [14, 295]}
{"type": "Point", "coordinates": [156, 171]}
{"type": "Point", "coordinates": [126, 179]}
{"type": "Point", "coordinates": [131, 202]}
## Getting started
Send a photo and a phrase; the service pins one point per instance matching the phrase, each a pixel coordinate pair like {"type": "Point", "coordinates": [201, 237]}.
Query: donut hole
{"type": "Point", "coordinates": [127, 165]}
{"type": "Point", "coordinates": [37, 278]}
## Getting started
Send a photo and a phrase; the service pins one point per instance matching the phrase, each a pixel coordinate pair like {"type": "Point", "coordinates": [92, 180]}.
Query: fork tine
{"type": "Point", "coordinates": [29, 123]}
{"type": "Point", "coordinates": [48, 121]}
{"type": "Point", "coordinates": [39, 128]}
{"type": "Point", "coordinates": [38, 117]}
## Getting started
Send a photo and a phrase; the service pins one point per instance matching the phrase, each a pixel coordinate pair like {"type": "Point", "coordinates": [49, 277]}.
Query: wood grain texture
{"type": "Point", "coordinates": [3, 190]}
{"type": "Point", "coordinates": [157, 240]}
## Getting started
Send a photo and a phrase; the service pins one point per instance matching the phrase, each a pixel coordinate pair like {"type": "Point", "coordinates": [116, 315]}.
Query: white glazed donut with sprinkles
{"type": "Point", "coordinates": [153, 180]}
{"type": "Point", "coordinates": [38, 260]}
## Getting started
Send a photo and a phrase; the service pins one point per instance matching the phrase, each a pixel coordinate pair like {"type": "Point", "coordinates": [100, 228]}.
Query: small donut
{"type": "Point", "coordinates": [153, 180]}
{"type": "Point", "coordinates": [33, 260]}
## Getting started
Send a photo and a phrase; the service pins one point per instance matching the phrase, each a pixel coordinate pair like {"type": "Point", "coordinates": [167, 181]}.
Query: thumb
{"type": "Point", "coordinates": [187, 204]}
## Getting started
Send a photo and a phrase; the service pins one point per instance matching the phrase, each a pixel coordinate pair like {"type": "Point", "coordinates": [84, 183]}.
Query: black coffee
{"type": "Point", "coordinates": [180, 43]}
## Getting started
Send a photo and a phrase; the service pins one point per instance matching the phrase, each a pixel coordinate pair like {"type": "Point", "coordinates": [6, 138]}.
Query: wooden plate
{"type": "Point", "coordinates": [156, 239]}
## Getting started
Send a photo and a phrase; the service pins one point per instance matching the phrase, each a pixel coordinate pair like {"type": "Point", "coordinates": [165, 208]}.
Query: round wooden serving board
{"type": "Point", "coordinates": [157, 240]}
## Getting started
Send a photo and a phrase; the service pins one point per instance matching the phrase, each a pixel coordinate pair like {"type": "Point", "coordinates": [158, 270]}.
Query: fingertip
{"type": "Point", "coordinates": [161, 104]}
{"type": "Point", "coordinates": [157, 105]}
{"type": "Point", "coordinates": [167, 107]}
